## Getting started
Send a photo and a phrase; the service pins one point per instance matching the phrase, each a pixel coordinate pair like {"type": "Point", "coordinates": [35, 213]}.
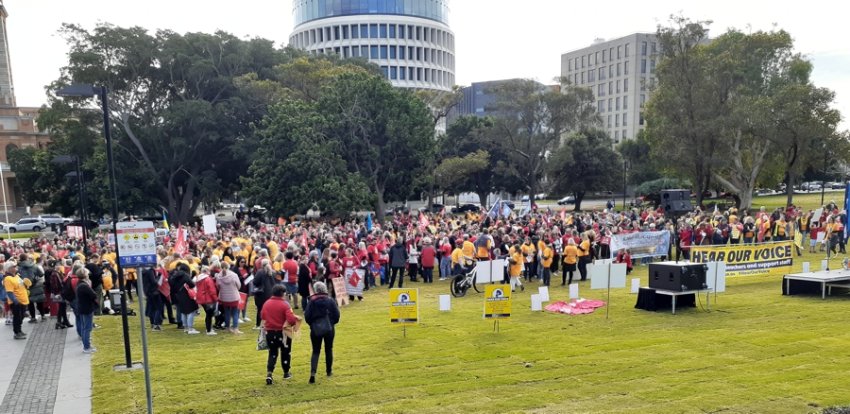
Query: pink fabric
{"type": "Point", "coordinates": [575, 307]}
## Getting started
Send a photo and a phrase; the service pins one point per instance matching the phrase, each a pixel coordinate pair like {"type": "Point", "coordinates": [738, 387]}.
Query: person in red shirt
{"type": "Point", "coordinates": [276, 315]}
{"type": "Point", "coordinates": [428, 257]}
{"type": "Point", "coordinates": [623, 256]}
{"type": "Point", "coordinates": [445, 259]}
{"type": "Point", "coordinates": [290, 270]}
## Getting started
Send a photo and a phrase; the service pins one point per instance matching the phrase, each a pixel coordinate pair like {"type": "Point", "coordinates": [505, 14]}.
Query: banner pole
{"type": "Point", "coordinates": [608, 307]}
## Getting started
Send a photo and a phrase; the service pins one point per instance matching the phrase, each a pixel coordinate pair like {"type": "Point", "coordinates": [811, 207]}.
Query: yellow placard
{"type": "Point", "coordinates": [748, 260]}
{"type": "Point", "coordinates": [497, 301]}
{"type": "Point", "coordinates": [404, 306]}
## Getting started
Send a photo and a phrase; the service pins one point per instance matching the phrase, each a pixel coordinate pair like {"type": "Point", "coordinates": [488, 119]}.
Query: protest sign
{"type": "Point", "coordinates": [404, 306]}
{"type": "Point", "coordinates": [497, 302]}
{"type": "Point", "coordinates": [748, 260]}
{"type": "Point", "coordinates": [642, 243]}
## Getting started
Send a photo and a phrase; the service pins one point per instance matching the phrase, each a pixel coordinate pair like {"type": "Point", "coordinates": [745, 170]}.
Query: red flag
{"type": "Point", "coordinates": [180, 246]}
{"type": "Point", "coordinates": [304, 240]}
{"type": "Point", "coordinates": [423, 222]}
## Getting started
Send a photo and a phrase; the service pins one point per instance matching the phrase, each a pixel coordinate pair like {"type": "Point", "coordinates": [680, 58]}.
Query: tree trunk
{"type": "Point", "coordinates": [789, 189]}
{"type": "Point", "coordinates": [579, 197]}
{"type": "Point", "coordinates": [379, 207]}
{"type": "Point", "coordinates": [482, 197]}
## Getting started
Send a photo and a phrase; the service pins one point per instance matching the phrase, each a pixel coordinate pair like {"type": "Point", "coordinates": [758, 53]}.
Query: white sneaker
{"type": "Point", "coordinates": [212, 333]}
{"type": "Point", "coordinates": [256, 328]}
{"type": "Point", "coordinates": [193, 332]}
{"type": "Point", "coordinates": [246, 319]}
{"type": "Point", "coordinates": [241, 320]}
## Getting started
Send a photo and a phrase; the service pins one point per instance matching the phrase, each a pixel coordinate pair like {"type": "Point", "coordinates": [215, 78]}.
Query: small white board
{"type": "Point", "coordinates": [445, 303]}
{"type": "Point", "coordinates": [574, 291]}
{"type": "Point", "coordinates": [806, 267]}
{"type": "Point", "coordinates": [543, 291]}
{"type": "Point", "coordinates": [635, 285]}
{"type": "Point", "coordinates": [536, 303]}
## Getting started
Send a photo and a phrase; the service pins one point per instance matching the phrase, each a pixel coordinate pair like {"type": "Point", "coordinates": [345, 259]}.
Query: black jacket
{"type": "Point", "coordinates": [319, 306]}
{"type": "Point", "coordinates": [95, 274]}
{"type": "Point", "coordinates": [86, 299]}
{"type": "Point", "coordinates": [150, 280]}
{"type": "Point", "coordinates": [263, 280]}
{"type": "Point", "coordinates": [304, 280]}
{"type": "Point", "coordinates": [398, 255]}
{"type": "Point", "coordinates": [179, 295]}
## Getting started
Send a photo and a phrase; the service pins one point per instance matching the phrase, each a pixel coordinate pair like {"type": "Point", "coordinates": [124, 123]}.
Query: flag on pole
{"type": "Point", "coordinates": [180, 246]}
{"type": "Point", "coordinates": [165, 221]}
{"type": "Point", "coordinates": [506, 210]}
{"type": "Point", "coordinates": [494, 211]}
{"type": "Point", "coordinates": [423, 221]}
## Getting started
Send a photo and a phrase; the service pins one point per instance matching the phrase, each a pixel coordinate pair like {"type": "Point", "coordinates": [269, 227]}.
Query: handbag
{"type": "Point", "coordinates": [322, 327]}
{"type": "Point", "coordinates": [262, 344]}
{"type": "Point", "coordinates": [193, 294]}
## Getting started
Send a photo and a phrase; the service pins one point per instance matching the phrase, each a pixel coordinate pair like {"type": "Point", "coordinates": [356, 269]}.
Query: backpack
{"type": "Point", "coordinates": [69, 288]}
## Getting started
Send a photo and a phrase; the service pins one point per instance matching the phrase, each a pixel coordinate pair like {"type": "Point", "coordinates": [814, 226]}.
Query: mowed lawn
{"type": "Point", "coordinates": [754, 351]}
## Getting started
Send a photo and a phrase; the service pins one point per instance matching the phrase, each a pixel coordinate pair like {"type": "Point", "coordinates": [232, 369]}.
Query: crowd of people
{"type": "Point", "coordinates": [291, 267]}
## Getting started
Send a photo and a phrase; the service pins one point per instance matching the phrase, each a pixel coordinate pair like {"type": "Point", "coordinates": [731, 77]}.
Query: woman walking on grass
{"type": "Point", "coordinates": [228, 296]}
{"type": "Point", "coordinates": [321, 314]}
{"type": "Point", "coordinates": [276, 314]}
{"type": "Point", "coordinates": [183, 298]}
{"type": "Point", "coordinates": [206, 297]}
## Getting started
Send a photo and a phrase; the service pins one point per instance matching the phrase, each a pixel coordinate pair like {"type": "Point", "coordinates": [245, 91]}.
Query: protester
{"type": "Point", "coordinates": [228, 296]}
{"type": "Point", "coordinates": [262, 286]}
{"type": "Point", "coordinates": [86, 306]}
{"type": "Point", "coordinates": [184, 295]}
{"type": "Point", "coordinates": [322, 314]}
{"type": "Point", "coordinates": [276, 314]}
{"type": "Point", "coordinates": [398, 259]}
{"type": "Point", "coordinates": [16, 296]}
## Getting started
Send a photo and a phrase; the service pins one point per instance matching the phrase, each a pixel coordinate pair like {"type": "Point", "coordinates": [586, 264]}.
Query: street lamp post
{"type": "Point", "coordinates": [625, 168]}
{"type": "Point", "coordinates": [81, 193]}
{"type": "Point", "coordinates": [88, 91]}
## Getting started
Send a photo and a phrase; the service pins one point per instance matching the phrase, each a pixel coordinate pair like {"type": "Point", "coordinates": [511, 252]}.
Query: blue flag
{"type": "Point", "coordinates": [846, 205]}
{"type": "Point", "coordinates": [494, 211]}
{"type": "Point", "coordinates": [369, 222]}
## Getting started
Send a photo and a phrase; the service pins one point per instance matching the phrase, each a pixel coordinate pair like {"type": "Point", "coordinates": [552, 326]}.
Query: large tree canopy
{"type": "Point", "coordinates": [178, 113]}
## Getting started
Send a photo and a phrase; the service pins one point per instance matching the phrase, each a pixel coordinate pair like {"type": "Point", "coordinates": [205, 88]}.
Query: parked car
{"type": "Point", "coordinates": [540, 196]}
{"type": "Point", "coordinates": [53, 219]}
{"type": "Point", "coordinates": [472, 208]}
{"type": "Point", "coordinates": [836, 185]}
{"type": "Point", "coordinates": [567, 200]}
{"type": "Point", "coordinates": [25, 224]}
{"type": "Point", "coordinates": [397, 209]}
{"type": "Point", "coordinates": [435, 208]}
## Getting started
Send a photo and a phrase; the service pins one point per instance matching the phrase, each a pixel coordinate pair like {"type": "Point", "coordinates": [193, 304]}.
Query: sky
{"type": "Point", "coordinates": [495, 39]}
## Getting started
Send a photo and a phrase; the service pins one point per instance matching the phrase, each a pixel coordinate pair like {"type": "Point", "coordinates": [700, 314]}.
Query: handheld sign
{"type": "Point", "coordinates": [136, 243]}
{"type": "Point", "coordinates": [404, 306]}
{"type": "Point", "coordinates": [497, 302]}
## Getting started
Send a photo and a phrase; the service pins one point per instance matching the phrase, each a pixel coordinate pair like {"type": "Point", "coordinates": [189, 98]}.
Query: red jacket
{"type": "Point", "coordinates": [427, 256]}
{"type": "Point", "coordinates": [291, 268]}
{"type": "Point", "coordinates": [275, 312]}
{"type": "Point", "coordinates": [206, 290]}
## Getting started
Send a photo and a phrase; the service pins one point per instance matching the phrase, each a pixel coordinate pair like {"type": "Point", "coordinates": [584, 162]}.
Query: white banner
{"type": "Point", "coordinates": [641, 244]}
{"type": "Point", "coordinates": [209, 224]}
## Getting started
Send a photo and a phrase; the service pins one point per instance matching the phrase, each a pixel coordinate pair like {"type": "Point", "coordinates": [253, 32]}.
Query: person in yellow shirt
{"type": "Point", "coordinates": [468, 247]}
{"type": "Point", "coordinates": [528, 251]}
{"type": "Point", "coordinates": [16, 296]}
{"type": "Point", "coordinates": [515, 265]}
{"type": "Point", "coordinates": [546, 261]}
{"type": "Point", "coordinates": [570, 259]}
{"type": "Point", "coordinates": [457, 260]}
{"type": "Point", "coordinates": [483, 245]}
{"type": "Point", "coordinates": [583, 256]}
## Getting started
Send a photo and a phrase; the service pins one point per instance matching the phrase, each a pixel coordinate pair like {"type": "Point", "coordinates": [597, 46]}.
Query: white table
{"type": "Point", "coordinates": [675, 293]}
{"type": "Point", "coordinates": [824, 277]}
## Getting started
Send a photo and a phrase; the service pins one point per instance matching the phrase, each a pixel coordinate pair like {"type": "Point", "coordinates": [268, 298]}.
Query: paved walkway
{"type": "Point", "coordinates": [45, 374]}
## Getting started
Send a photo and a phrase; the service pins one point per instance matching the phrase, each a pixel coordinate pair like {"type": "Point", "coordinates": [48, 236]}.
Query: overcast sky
{"type": "Point", "coordinates": [495, 39]}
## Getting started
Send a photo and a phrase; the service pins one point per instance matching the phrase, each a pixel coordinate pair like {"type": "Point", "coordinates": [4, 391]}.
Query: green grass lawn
{"type": "Point", "coordinates": [755, 351]}
{"type": "Point", "coordinates": [20, 236]}
{"type": "Point", "coordinates": [805, 201]}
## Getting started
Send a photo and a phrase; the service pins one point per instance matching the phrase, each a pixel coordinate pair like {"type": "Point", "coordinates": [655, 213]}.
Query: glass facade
{"type": "Point", "coordinates": [308, 10]}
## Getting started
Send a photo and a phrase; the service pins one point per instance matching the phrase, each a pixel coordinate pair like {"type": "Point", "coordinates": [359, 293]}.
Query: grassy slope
{"type": "Point", "coordinates": [756, 351]}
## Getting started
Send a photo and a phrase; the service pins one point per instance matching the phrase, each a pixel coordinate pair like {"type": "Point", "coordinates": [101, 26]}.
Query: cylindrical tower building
{"type": "Point", "coordinates": [409, 39]}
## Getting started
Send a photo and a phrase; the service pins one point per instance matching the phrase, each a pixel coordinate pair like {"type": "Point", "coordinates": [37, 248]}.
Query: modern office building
{"type": "Point", "coordinates": [621, 73]}
{"type": "Point", "coordinates": [18, 127]}
{"type": "Point", "coordinates": [409, 39]}
{"type": "Point", "coordinates": [479, 99]}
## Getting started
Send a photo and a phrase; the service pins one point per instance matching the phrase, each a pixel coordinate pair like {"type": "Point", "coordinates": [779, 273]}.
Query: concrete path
{"type": "Point", "coordinates": [45, 374]}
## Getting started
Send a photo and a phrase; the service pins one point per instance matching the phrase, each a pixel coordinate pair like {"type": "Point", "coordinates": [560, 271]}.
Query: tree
{"type": "Point", "coordinates": [298, 166]}
{"type": "Point", "coordinates": [386, 134]}
{"type": "Point", "coordinates": [457, 174]}
{"type": "Point", "coordinates": [682, 110]}
{"type": "Point", "coordinates": [174, 100]}
{"type": "Point", "coordinates": [638, 154]}
{"type": "Point", "coordinates": [531, 120]}
{"type": "Point", "coordinates": [439, 104]}
{"type": "Point", "coordinates": [586, 162]}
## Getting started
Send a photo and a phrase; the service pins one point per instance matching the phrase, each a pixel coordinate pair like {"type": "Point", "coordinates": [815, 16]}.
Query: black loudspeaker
{"type": "Point", "coordinates": [676, 201]}
{"type": "Point", "coordinates": [677, 277]}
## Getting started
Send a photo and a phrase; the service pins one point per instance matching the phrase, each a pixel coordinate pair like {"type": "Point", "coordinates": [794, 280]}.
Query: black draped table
{"type": "Point", "coordinates": [656, 299]}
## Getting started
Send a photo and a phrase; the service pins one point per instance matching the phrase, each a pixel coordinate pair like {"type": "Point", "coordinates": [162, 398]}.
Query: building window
{"type": "Point", "coordinates": [385, 70]}
{"type": "Point", "coordinates": [643, 84]}
{"type": "Point", "coordinates": [364, 31]}
{"type": "Point", "coordinates": [419, 33]}
{"type": "Point", "coordinates": [627, 49]}
{"type": "Point", "coordinates": [643, 66]}
{"type": "Point", "coordinates": [591, 76]}
{"type": "Point", "coordinates": [373, 31]}
{"type": "Point", "coordinates": [401, 32]}
{"type": "Point", "coordinates": [383, 52]}
{"type": "Point", "coordinates": [402, 71]}
{"type": "Point", "coordinates": [625, 117]}
{"type": "Point", "coordinates": [393, 73]}
{"type": "Point", "coordinates": [600, 89]}
{"type": "Point", "coordinates": [575, 79]}
{"type": "Point", "coordinates": [401, 52]}
{"type": "Point", "coordinates": [619, 52]}
{"type": "Point", "coordinates": [355, 33]}
{"type": "Point", "coordinates": [625, 103]}
{"type": "Point", "coordinates": [336, 33]}
{"type": "Point", "coordinates": [345, 31]}
{"type": "Point", "coordinates": [392, 31]}
{"type": "Point", "coordinates": [641, 118]}
{"type": "Point", "coordinates": [600, 106]}
{"type": "Point", "coordinates": [652, 66]}
{"type": "Point", "coordinates": [643, 48]}
{"type": "Point", "coordinates": [610, 104]}
{"type": "Point", "coordinates": [570, 64]}
{"type": "Point", "coordinates": [617, 120]}
{"type": "Point", "coordinates": [373, 52]}
{"type": "Point", "coordinates": [393, 53]}
{"type": "Point", "coordinates": [611, 88]}
{"type": "Point", "coordinates": [582, 78]}
{"type": "Point", "coordinates": [624, 135]}
{"type": "Point", "coordinates": [604, 55]}
{"type": "Point", "coordinates": [619, 68]}
{"type": "Point", "coordinates": [642, 100]}
{"type": "Point", "coordinates": [626, 68]}
{"type": "Point", "coordinates": [653, 48]}
{"type": "Point", "coordinates": [609, 121]}
{"type": "Point", "coordinates": [601, 73]}
{"type": "Point", "coordinates": [582, 62]}
{"type": "Point", "coordinates": [611, 71]}
{"type": "Point", "coordinates": [617, 136]}
{"type": "Point", "coordinates": [596, 58]}
{"type": "Point", "coordinates": [618, 104]}
{"type": "Point", "coordinates": [345, 52]}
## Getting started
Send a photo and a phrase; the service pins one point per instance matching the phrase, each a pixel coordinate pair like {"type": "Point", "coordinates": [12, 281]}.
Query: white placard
{"type": "Point", "coordinates": [821, 236]}
{"type": "Point", "coordinates": [598, 275]}
{"type": "Point", "coordinates": [603, 261]}
{"type": "Point", "coordinates": [445, 303]}
{"type": "Point", "coordinates": [806, 266]}
{"type": "Point", "coordinates": [716, 272]}
{"type": "Point", "coordinates": [209, 224]}
{"type": "Point", "coordinates": [536, 303]}
{"type": "Point", "coordinates": [816, 219]}
{"type": "Point", "coordinates": [635, 285]}
{"type": "Point", "coordinates": [490, 271]}
{"type": "Point", "coordinates": [75, 232]}
{"type": "Point", "coordinates": [618, 275]}
{"type": "Point", "coordinates": [543, 291]}
{"type": "Point", "coordinates": [824, 264]}
{"type": "Point", "coordinates": [574, 291]}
